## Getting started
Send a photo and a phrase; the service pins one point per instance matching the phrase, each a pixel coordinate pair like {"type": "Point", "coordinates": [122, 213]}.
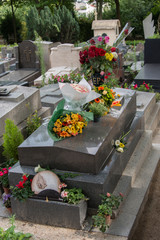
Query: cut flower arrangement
{"type": "Point", "coordinates": [97, 57]}
{"type": "Point", "coordinates": [107, 95]}
{"type": "Point", "coordinates": [69, 125]}
{"type": "Point", "coordinates": [120, 144]}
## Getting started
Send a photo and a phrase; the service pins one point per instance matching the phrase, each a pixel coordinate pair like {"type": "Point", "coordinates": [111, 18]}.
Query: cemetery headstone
{"type": "Point", "coordinates": [148, 26]}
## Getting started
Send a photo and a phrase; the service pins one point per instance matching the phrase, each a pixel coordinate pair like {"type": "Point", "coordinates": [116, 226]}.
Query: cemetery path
{"type": "Point", "coordinates": [148, 227]}
{"type": "Point", "coordinates": [149, 223]}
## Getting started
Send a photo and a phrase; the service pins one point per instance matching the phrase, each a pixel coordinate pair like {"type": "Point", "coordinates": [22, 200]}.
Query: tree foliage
{"type": "Point", "coordinates": [45, 24]}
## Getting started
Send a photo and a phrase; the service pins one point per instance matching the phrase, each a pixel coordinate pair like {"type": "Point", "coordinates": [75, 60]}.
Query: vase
{"type": "Point", "coordinates": [96, 118]}
{"type": "Point", "coordinates": [6, 190]}
{"type": "Point", "coordinates": [97, 79]}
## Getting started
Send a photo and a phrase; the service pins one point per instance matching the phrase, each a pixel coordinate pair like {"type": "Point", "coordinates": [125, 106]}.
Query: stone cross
{"type": "Point", "coordinates": [27, 53]}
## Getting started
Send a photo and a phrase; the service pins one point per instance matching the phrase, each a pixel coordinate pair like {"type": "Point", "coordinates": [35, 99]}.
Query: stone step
{"type": "Point", "coordinates": [145, 104]}
{"type": "Point", "coordinates": [153, 120]}
{"type": "Point", "coordinates": [131, 209]}
{"type": "Point", "coordinates": [140, 153]}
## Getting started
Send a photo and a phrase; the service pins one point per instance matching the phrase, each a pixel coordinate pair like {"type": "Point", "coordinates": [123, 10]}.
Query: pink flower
{"type": "Point", "coordinates": [106, 39]}
{"type": "Point", "coordinates": [135, 86]}
{"type": "Point", "coordinates": [62, 80]}
{"type": "Point", "coordinates": [5, 171]}
{"type": "Point", "coordinates": [100, 39]}
{"type": "Point", "coordinates": [64, 185]}
{"type": "Point", "coordinates": [108, 194]}
{"type": "Point", "coordinates": [144, 83]}
{"type": "Point", "coordinates": [147, 86]}
{"type": "Point", "coordinates": [9, 168]}
{"type": "Point", "coordinates": [64, 194]}
{"type": "Point", "coordinates": [102, 73]}
{"type": "Point", "coordinates": [121, 194]}
{"type": "Point", "coordinates": [1, 173]}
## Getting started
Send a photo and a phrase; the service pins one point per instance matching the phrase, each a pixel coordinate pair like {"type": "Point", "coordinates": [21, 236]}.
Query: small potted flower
{"type": "Point", "coordinates": [4, 179]}
{"type": "Point", "coordinates": [7, 201]}
{"type": "Point", "coordinates": [98, 110]}
{"type": "Point", "coordinates": [106, 209]}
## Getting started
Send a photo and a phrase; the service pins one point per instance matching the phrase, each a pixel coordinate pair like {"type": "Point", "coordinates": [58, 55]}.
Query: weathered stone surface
{"type": "Point", "coordinates": [52, 213]}
{"type": "Point", "coordinates": [19, 109]}
{"type": "Point", "coordinates": [88, 152]}
{"type": "Point", "coordinates": [110, 27]}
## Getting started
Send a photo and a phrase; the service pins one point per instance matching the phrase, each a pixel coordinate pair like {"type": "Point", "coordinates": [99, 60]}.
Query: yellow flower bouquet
{"type": "Point", "coordinates": [65, 123]}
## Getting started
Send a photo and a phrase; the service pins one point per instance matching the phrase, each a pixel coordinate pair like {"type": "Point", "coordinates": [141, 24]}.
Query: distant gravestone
{"type": "Point", "coordinates": [27, 55]}
{"type": "Point", "coordinates": [148, 26]}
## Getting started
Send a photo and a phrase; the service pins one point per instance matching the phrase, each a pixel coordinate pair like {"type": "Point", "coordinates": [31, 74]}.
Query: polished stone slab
{"type": "Point", "coordinates": [94, 185]}
{"type": "Point", "coordinates": [87, 152]}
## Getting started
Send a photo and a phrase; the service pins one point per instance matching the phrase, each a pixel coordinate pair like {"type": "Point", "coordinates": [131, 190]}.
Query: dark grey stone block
{"type": "Point", "coordinates": [94, 185]}
{"type": "Point", "coordinates": [87, 152]}
{"type": "Point", "coordinates": [52, 213]}
{"type": "Point", "coordinates": [152, 51]}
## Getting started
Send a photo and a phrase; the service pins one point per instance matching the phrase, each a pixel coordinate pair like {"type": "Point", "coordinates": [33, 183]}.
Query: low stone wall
{"type": "Point", "coordinates": [65, 55]}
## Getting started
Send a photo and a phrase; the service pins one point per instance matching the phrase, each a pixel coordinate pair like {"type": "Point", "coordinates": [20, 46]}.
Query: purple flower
{"type": "Point", "coordinates": [5, 197]}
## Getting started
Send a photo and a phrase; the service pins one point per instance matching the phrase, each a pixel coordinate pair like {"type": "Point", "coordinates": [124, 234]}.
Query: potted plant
{"type": "Point", "coordinates": [4, 179]}
{"type": "Point", "coordinates": [98, 110]}
{"type": "Point", "coordinates": [7, 201]}
{"type": "Point", "coordinates": [110, 202]}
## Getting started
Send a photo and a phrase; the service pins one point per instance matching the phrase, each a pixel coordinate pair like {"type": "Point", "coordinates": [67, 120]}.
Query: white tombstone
{"type": "Point", "coordinates": [148, 26]}
{"type": "Point", "coordinates": [110, 27]}
{"type": "Point", "coordinates": [65, 55]}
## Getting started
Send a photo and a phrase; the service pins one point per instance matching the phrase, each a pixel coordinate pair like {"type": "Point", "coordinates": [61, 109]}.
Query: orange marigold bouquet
{"type": "Point", "coordinates": [65, 123]}
{"type": "Point", "coordinates": [69, 125]}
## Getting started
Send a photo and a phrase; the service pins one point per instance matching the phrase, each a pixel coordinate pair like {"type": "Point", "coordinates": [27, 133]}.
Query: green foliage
{"type": "Point", "coordinates": [98, 109]}
{"type": "Point", "coordinates": [6, 28]}
{"type": "Point", "coordinates": [11, 234]}
{"type": "Point", "coordinates": [145, 87]}
{"type": "Point", "coordinates": [4, 177]}
{"type": "Point", "coordinates": [85, 24]}
{"type": "Point", "coordinates": [134, 42]}
{"type": "Point", "coordinates": [45, 24]}
{"type": "Point", "coordinates": [66, 78]}
{"type": "Point", "coordinates": [33, 122]}
{"type": "Point", "coordinates": [23, 190]}
{"type": "Point", "coordinates": [109, 203]}
{"type": "Point", "coordinates": [133, 12]}
{"type": "Point", "coordinates": [12, 138]}
{"type": "Point", "coordinates": [157, 96]}
{"type": "Point", "coordinates": [69, 28]}
{"type": "Point", "coordinates": [74, 196]}
{"type": "Point", "coordinates": [155, 36]}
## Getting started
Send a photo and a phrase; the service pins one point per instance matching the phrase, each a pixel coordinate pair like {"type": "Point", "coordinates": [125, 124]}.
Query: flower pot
{"type": "Point", "coordinates": [97, 79]}
{"type": "Point", "coordinates": [108, 219]}
{"type": "Point", "coordinates": [6, 190]}
{"type": "Point", "coordinates": [54, 213]}
{"type": "Point", "coordinates": [96, 118]}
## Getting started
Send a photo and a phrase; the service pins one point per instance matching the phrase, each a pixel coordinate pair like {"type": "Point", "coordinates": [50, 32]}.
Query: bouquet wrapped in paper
{"type": "Point", "coordinates": [65, 123]}
{"type": "Point", "coordinates": [76, 95]}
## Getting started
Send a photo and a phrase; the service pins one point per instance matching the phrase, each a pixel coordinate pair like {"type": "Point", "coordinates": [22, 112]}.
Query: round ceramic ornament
{"type": "Point", "coordinates": [45, 180]}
